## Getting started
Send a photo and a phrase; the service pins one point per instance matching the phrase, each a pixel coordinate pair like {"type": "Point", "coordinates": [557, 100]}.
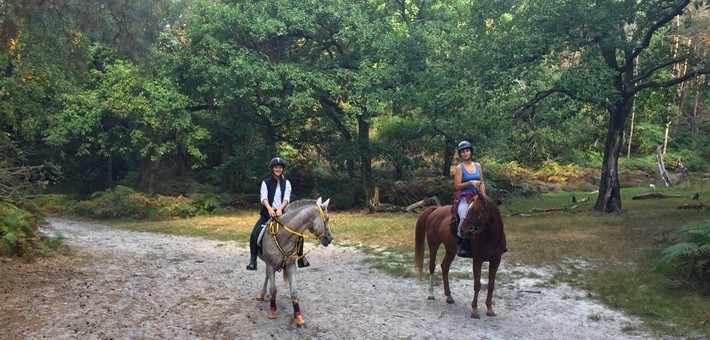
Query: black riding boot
{"type": "Point", "coordinates": [253, 248]}
{"type": "Point", "coordinates": [463, 247]}
{"type": "Point", "coordinates": [302, 262]}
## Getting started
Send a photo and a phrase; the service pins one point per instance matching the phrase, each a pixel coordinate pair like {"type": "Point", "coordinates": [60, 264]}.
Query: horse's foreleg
{"type": "Point", "coordinates": [476, 288]}
{"type": "Point", "coordinates": [272, 291]}
{"type": "Point", "coordinates": [293, 286]}
{"type": "Point", "coordinates": [262, 295]}
{"type": "Point", "coordinates": [445, 266]}
{"type": "Point", "coordinates": [492, 269]}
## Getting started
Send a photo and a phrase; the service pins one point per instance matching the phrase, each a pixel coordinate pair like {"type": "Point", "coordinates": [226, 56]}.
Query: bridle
{"type": "Point", "coordinates": [476, 226]}
{"type": "Point", "coordinates": [274, 226]}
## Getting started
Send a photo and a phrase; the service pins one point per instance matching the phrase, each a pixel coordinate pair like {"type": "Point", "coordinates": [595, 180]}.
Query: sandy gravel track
{"type": "Point", "coordinates": [136, 285]}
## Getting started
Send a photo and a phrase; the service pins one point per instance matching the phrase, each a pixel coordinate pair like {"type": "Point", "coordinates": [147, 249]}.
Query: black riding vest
{"type": "Point", "coordinates": [271, 188]}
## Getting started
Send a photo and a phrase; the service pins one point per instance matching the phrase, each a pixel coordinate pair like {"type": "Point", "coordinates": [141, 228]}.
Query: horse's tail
{"type": "Point", "coordinates": [419, 236]}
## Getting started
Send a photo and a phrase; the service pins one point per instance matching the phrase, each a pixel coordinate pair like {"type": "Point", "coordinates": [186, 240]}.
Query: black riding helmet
{"type": "Point", "coordinates": [277, 161]}
{"type": "Point", "coordinates": [464, 144]}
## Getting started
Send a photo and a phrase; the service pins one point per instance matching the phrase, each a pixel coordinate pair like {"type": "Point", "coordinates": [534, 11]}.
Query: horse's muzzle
{"type": "Point", "coordinates": [326, 239]}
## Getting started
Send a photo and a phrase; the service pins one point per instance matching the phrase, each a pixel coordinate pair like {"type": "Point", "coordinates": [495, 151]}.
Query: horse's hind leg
{"type": "Point", "coordinates": [432, 268]}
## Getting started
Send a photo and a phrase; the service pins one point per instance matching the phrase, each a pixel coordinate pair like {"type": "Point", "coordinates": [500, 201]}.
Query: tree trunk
{"type": "Point", "coordinates": [109, 171]}
{"type": "Point", "coordinates": [665, 137]}
{"type": "Point", "coordinates": [144, 175]}
{"type": "Point", "coordinates": [226, 179]}
{"type": "Point", "coordinates": [368, 182]}
{"type": "Point", "coordinates": [448, 158]}
{"type": "Point", "coordinates": [609, 199]}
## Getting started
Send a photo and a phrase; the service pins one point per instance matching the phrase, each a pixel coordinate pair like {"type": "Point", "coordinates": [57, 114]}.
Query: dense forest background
{"type": "Point", "coordinates": [178, 97]}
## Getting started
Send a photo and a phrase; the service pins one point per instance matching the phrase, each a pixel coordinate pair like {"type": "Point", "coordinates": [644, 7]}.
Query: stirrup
{"type": "Point", "coordinates": [303, 263]}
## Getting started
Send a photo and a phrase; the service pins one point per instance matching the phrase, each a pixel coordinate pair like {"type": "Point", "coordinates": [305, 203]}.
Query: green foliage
{"type": "Point", "coordinates": [124, 202]}
{"type": "Point", "coordinates": [402, 142]}
{"type": "Point", "coordinates": [690, 255]}
{"type": "Point", "coordinates": [19, 233]}
{"type": "Point", "coordinates": [117, 202]}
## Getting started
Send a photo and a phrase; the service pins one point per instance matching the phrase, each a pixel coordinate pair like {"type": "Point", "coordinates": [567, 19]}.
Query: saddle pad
{"type": "Point", "coordinates": [261, 235]}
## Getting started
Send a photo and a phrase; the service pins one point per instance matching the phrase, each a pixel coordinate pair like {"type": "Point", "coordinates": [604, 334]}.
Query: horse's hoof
{"type": "Point", "coordinates": [475, 316]}
{"type": "Point", "coordinates": [272, 314]}
{"type": "Point", "coordinates": [430, 298]}
{"type": "Point", "coordinates": [491, 313]}
{"type": "Point", "coordinates": [449, 300]}
{"type": "Point", "coordinates": [260, 297]}
{"type": "Point", "coordinates": [300, 323]}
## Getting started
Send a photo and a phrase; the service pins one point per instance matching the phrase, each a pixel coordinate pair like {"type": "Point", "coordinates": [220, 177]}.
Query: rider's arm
{"type": "Point", "coordinates": [265, 198]}
{"type": "Point", "coordinates": [458, 176]}
{"type": "Point", "coordinates": [286, 199]}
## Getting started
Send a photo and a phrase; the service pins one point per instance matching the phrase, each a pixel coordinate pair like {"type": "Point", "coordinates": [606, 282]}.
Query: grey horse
{"type": "Point", "coordinates": [280, 243]}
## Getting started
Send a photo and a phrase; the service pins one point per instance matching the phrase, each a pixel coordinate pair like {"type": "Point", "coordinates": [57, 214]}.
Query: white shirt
{"type": "Point", "coordinates": [278, 198]}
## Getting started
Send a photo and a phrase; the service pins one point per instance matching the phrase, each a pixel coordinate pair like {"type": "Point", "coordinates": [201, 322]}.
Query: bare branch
{"type": "Point", "coordinates": [544, 94]}
{"type": "Point", "coordinates": [675, 10]}
{"type": "Point", "coordinates": [656, 68]}
{"type": "Point", "coordinates": [22, 181]}
{"type": "Point", "coordinates": [671, 82]}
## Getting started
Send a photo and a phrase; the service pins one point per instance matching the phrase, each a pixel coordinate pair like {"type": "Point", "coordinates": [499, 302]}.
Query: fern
{"type": "Point", "coordinates": [691, 255]}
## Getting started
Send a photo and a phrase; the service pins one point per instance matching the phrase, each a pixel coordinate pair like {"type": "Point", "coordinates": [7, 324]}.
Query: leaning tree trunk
{"type": "Point", "coordinates": [368, 182]}
{"type": "Point", "coordinates": [609, 199]}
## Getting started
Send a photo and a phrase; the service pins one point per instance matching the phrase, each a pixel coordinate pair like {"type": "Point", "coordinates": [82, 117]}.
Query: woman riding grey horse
{"type": "Point", "coordinates": [280, 244]}
{"type": "Point", "coordinates": [275, 196]}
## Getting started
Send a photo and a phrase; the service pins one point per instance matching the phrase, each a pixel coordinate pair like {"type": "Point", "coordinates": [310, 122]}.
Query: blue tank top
{"type": "Point", "coordinates": [466, 176]}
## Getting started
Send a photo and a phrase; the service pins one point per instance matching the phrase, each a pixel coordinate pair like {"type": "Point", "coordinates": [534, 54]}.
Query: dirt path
{"type": "Point", "coordinates": [150, 286]}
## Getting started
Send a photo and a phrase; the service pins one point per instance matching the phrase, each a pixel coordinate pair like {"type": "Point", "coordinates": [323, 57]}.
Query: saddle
{"type": "Point", "coordinates": [260, 237]}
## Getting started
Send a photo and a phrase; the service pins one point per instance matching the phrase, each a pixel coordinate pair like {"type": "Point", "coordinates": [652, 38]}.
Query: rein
{"type": "Point", "coordinates": [476, 229]}
{"type": "Point", "coordinates": [274, 225]}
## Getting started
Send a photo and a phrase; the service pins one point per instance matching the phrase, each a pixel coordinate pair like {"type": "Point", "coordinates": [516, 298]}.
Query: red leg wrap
{"type": "Point", "coordinates": [296, 309]}
{"type": "Point", "coordinates": [273, 303]}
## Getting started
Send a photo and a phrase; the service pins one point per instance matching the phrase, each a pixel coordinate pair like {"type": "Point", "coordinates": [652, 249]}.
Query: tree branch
{"type": "Point", "coordinates": [675, 10]}
{"type": "Point", "coordinates": [544, 94]}
{"type": "Point", "coordinates": [656, 68]}
{"type": "Point", "coordinates": [671, 82]}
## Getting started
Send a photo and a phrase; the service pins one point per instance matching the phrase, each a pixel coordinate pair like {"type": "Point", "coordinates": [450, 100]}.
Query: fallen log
{"type": "Point", "coordinates": [536, 210]}
{"type": "Point", "coordinates": [433, 200]}
{"type": "Point", "coordinates": [701, 206]}
{"type": "Point", "coordinates": [385, 207]}
{"type": "Point", "coordinates": [653, 195]}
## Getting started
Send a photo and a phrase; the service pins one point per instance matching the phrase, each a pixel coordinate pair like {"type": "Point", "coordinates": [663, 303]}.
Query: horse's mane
{"type": "Point", "coordinates": [296, 206]}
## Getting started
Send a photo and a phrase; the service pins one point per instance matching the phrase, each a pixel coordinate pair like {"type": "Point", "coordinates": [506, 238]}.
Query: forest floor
{"type": "Point", "coordinates": [135, 285]}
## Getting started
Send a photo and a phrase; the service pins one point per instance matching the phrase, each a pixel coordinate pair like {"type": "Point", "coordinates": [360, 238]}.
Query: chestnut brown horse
{"type": "Point", "coordinates": [483, 226]}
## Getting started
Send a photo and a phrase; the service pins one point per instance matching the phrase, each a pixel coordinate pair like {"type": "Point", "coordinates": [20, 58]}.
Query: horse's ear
{"type": "Point", "coordinates": [319, 201]}
{"type": "Point", "coordinates": [325, 204]}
